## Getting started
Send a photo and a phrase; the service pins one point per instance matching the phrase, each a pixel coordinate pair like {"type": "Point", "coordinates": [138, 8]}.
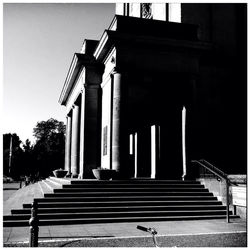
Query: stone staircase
{"type": "Point", "coordinates": [91, 201]}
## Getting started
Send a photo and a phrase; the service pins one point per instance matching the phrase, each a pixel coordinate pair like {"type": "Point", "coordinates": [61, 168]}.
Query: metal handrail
{"type": "Point", "coordinates": [219, 173]}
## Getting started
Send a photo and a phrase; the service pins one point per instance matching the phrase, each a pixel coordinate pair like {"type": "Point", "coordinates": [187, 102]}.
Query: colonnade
{"type": "Point", "coordinates": [83, 133]}
{"type": "Point", "coordinates": [72, 144]}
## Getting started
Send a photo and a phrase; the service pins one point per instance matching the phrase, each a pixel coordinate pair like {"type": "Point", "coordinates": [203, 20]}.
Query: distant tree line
{"type": "Point", "coordinates": [38, 159]}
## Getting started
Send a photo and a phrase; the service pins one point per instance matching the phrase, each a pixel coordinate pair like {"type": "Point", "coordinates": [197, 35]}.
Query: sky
{"type": "Point", "coordinates": [39, 41]}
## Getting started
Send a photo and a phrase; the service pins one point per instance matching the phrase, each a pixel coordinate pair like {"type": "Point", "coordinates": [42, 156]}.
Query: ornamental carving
{"type": "Point", "coordinates": [146, 10]}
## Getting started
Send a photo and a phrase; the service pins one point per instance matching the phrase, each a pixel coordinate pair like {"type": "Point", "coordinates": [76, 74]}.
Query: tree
{"type": "Point", "coordinates": [29, 159]}
{"type": "Point", "coordinates": [44, 130]}
{"type": "Point", "coordinates": [12, 164]}
{"type": "Point", "coordinates": [49, 147]}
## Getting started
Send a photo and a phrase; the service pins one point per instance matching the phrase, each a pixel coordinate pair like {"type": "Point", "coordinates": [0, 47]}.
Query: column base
{"type": "Point", "coordinates": [87, 171]}
{"type": "Point", "coordinates": [68, 175]}
{"type": "Point", "coordinates": [80, 176]}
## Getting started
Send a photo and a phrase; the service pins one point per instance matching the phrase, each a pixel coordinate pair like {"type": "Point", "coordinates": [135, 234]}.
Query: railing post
{"type": "Point", "coordinates": [34, 229]}
{"type": "Point", "coordinates": [227, 200]}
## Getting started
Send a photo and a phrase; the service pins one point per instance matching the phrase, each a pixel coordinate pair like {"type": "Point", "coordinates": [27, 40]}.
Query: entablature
{"type": "Point", "coordinates": [79, 62]}
{"type": "Point", "coordinates": [151, 48]}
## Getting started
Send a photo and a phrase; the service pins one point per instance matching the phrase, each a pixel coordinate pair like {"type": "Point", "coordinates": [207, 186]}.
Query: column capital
{"type": "Point", "coordinates": [74, 106]}
{"type": "Point", "coordinates": [69, 114]}
{"type": "Point", "coordinates": [95, 86]}
{"type": "Point", "coordinates": [116, 70]}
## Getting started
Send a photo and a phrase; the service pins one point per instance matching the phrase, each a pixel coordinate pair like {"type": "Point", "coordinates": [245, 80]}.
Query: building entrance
{"type": "Point", "coordinates": [145, 151]}
{"type": "Point", "coordinates": [156, 150]}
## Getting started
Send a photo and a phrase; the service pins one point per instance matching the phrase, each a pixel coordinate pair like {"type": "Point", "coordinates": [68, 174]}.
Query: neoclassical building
{"type": "Point", "coordinates": [165, 84]}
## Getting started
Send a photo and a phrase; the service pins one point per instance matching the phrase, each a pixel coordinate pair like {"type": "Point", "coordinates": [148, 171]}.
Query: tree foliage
{"type": "Point", "coordinates": [41, 158]}
{"type": "Point", "coordinates": [12, 165]}
{"type": "Point", "coordinates": [49, 146]}
{"type": "Point", "coordinates": [45, 130]}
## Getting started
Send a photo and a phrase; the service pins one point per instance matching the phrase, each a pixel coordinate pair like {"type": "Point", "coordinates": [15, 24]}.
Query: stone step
{"type": "Point", "coordinates": [47, 186]}
{"type": "Point", "coordinates": [142, 218]}
{"type": "Point", "coordinates": [130, 189]}
{"type": "Point", "coordinates": [124, 198]}
{"type": "Point", "coordinates": [55, 204]}
{"type": "Point", "coordinates": [131, 181]}
{"type": "Point", "coordinates": [121, 194]}
{"type": "Point", "coordinates": [121, 208]}
{"type": "Point", "coordinates": [114, 214]}
{"type": "Point", "coordinates": [53, 184]}
{"type": "Point", "coordinates": [61, 181]}
{"type": "Point", "coordinates": [135, 185]}
{"type": "Point", "coordinates": [45, 189]}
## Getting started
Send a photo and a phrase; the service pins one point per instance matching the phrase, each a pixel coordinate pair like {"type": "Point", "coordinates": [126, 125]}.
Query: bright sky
{"type": "Point", "coordinates": [39, 41]}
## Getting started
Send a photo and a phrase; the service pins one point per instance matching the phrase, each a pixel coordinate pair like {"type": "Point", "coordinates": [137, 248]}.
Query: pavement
{"type": "Point", "coordinates": [195, 233]}
{"type": "Point", "coordinates": [15, 197]}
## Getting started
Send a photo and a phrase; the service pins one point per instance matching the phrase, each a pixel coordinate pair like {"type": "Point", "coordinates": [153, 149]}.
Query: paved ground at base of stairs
{"type": "Point", "coordinates": [170, 233]}
{"type": "Point", "coordinates": [201, 240]}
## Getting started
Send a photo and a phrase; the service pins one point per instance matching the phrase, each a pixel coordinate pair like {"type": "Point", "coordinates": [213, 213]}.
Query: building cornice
{"type": "Point", "coordinates": [78, 61]}
{"type": "Point", "coordinates": [132, 30]}
{"type": "Point", "coordinates": [110, 39]}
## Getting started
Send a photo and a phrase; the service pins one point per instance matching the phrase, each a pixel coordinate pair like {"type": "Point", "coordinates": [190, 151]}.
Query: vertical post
{"type": "Point", "coordinates": [153, 151]}
{"type": "Point", "coordinates": [184, 143]}
{"type": "Point", "coordinates": [34, 229]}
{"type": "Point", "coordinates": [68, 145]}
{"type": "Point", "coordinates": [235, 209]}
{"type": "Point", "coordinates": [136, 154]}
{"type": "Point", "coordinates": [75, 141]}
{"type": "Point", "coordinates": [227, 200]}
{"type": "Point", "coordinates": [10, 154]}
{"type": "Point", "coordinates": [116, 122]}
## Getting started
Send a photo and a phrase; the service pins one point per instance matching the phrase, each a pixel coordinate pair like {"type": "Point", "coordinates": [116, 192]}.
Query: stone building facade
{"type": "Point", "coordinates": [165, 84]}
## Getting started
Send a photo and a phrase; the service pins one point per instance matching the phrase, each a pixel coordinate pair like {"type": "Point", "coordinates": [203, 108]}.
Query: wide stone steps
{"type": "Point", "coordinates": [125, 190]}
{"type": "Point", "coordinates": [121, 208]}
{"type": "Point", "coordinates": [115, 214]}
{"type": "Point", "coordinates": [133, 186]}
{"type": "Point", "coordinates": [115, 194]}
{"type": "Point", "coordinates": [67, 221]}
{"type": "Point", "coordinates": [82, 201]}
{"type": "Point", "coordinates": [122, 203]}
{"type": "Point", "coordinates": [124, 198]}
{"type": "Point", "coordinates": [131, 181]}
{"type": "Point", "coordinates": [130, 190]}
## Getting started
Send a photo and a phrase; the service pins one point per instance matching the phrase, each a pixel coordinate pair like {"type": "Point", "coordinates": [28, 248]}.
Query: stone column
{"type": "Point", "coordinates": [155, 149]}
{"type": "Point", "coordinates": [116, 122]}
{"type": "Point", "coordinates": [91, 123]}
{"type": "Point", "coordinates": [82, 139]}
{"type": "Point", "coordinates": [136, 151]}
{"type": "Point", "coordinates": [68, 144]}
{"type": "Point", "coordinates": [184, 143]}
{"type": "Point", "coordinates": [75, 141]}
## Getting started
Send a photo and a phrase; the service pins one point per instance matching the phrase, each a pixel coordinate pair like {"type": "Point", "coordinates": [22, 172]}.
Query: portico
{"type": "Point", "coordinates": [81, 96]}
{"type": "Point", "coordinates": [124, 101]}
